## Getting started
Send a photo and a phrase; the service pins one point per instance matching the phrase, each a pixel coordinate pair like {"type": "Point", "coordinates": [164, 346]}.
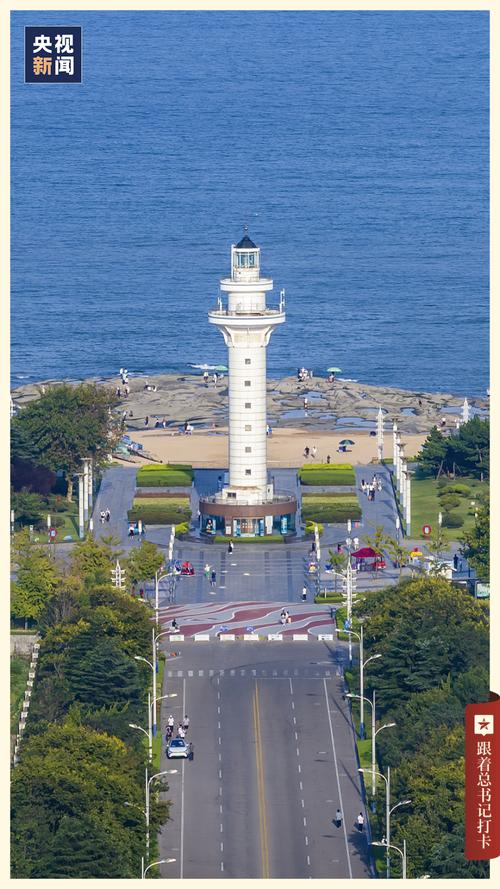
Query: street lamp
{"type": "Point", "coordinates": [154, 667]}
{"type": "Point", "coordinates": [387, 811]}
{"type": "Point", "coordinates": [402, 851]}
{"type": "Point", "coordinates": [362, 665]}
{"type": "Point", "coordinates": [374, 732]}
{"type": "Point", "coordinates": [138, 657]}
{"type": "Point", "coordinates": [148, 734]}
{"type": "Point", "coordinates": [155, 864]}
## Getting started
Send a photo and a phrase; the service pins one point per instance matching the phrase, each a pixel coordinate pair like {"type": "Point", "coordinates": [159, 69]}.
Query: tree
{"type": "Point", "coordinates": [476, 543]}
{"type": "Point", "coordinates": [433, 456]}
{"type": "Point", "coordinates": [25, 474]}
{"type": "Point", "coordinates": [471, 448]}
{"type": "Point", "coordinates": [338, 562]}
{"type": "Point", "coordinates": [143, 562]}
{"type": "Point", "coordinates": [92, 561]}
{"type": "Point", "coordinates": [36, 583]}
{"type": "Point", "coordinates": [28, 507]}
{"type": "Point", "coordinates": [398, 553]}
{"type": "Point", "coordinates": [64, 426]}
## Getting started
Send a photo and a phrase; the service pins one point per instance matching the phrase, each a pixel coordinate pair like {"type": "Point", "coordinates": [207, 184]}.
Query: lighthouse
{"type": "Point", "coordinates": [248, 504]}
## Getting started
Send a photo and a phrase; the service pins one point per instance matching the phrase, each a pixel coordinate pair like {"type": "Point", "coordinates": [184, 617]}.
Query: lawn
{"type": "Point", "coordinates": [327, 474]}
{"type": "Point", "coordinates": [159, 475]}
{"type": "Point", "coordinates": [330, 507]}
{"type": "Point", "coordinates": [160, 510]}
{"type": "Point", "coordinates": [19, 668]}
{"type": "Point", "coordinates": [425, 505]}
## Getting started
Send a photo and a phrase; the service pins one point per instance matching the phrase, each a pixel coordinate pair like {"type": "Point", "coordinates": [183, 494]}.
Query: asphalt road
{"type": "Point", "coordinates": [274, 757]}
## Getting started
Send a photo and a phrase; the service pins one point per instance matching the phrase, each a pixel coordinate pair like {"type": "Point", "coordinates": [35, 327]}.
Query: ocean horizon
{"type": "Point", "coordinates": [354, 145]}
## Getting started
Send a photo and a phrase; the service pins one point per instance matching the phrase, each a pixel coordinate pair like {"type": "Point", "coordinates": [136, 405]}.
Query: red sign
{"type": "Point", "coordinates": [426, 529]}
{"type": "Point", "coordinates": [482, 780]}
{"type": "Point", "coordinates": [53, 532]}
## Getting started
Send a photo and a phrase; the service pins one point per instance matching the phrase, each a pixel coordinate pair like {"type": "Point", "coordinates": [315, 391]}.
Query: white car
{"type": "Point", "coordinates": [178, 749]}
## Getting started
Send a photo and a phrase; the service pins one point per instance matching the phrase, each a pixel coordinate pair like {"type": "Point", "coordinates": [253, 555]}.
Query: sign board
{"type": "Point", "coordinates": [426, 529]}
{"type": "Point", "coordinates": [53, 533]}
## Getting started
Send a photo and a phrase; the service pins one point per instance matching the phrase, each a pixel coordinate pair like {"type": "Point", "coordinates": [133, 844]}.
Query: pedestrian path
{"type": "Point", "coordinates": [116, 494]}
{"type": "Point", "coordinates": [246, 618]}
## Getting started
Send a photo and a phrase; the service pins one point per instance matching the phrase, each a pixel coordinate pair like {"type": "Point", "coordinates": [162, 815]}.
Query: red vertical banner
{"type": "Point", "coordinates": [482, 779]}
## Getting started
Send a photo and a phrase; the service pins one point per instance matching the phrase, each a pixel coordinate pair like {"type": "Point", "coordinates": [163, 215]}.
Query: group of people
{"type": "Point", "coordinates": [105, 516]}
{"type": "Point", "coordinates": [370, 488]}
{"type": "Point", "coordinates": [187, 428]}
{"type": "Point", "coordinates": [303, 374]}
{"type": "Point", "coordinates": [118, 391]}
{"type": "Point", "coordinates": [181, 728]}
{"type": "Point", "coordinates": [311, 452]}
{"type": "Point", "coordinates": [360, 820]}
{"type": "Point", "coordinates": [285, 617]}
{"type": "Point", "coordinates": [215, 377]}
{"type": "Point", "coordinates": [210, 574]}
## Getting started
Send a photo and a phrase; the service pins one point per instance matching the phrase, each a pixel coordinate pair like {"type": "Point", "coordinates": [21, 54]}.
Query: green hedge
{"type": "Point", "coordinates": [330, 507]}
{"type": "Point", "coordinates": [310, 526]}
{"type": "Point", "coordinates": [452, 520]}
{"type": "Point", "coordinates": [161, 512]}
{"type": "Point", "coordinates": [174, 475]}
{"type": "Point", "coordinates": [327, 474]}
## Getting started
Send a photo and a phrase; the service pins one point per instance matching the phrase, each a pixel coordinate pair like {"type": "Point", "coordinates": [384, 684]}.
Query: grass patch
{"type": "Point", "coordinates": [327, 474]}
{"type": "Point", "coordinates": [158, 475]}
{"type": "Point", "coordinates": [19, 669]}
{"type": "Point", "coordinates": [330, 507]}
{"type": "Point", "coordinates": [426, 505]}
{"type": "Point", "coordinates": [268, 538]}
{"type": "Point", "coordinates": [329, 599]}
{"type": "Point", "coordinates": [160, 511]}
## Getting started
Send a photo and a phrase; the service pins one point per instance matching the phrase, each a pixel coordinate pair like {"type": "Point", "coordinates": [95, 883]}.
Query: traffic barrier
{"type": "Point", "coordinates": [177, 638]}
{"type": "Point", "coordinates": [251, 637]}
{"type": "Point", "coordinates": [227, 637]}
{"type": "Point", "coordinates": [300, 637]}
{"type": "Point", "coordinates": [325, 637]}
{"type": "Point", "coordinates": [275, 637]}
{"type": "Point", "coordinates": [201, 637]}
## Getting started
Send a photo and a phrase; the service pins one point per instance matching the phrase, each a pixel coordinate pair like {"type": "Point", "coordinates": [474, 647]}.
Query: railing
{"type": "Point", "coordinates": [230, 501]}
{"type": "Point", "coordinates": [245, 310]}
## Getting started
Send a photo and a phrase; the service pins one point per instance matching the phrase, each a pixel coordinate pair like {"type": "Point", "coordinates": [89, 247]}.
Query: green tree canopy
{"type": "Point", "coordinates": [144, 561]}
{"type": "Point", "coordinates": [36, 583]}
{"type": "Point", "coordinates": [64, 426]}
{"type": "Point", "coordinates": [476, 543]}
{"type": "Point", "coordinates": [433, 456]}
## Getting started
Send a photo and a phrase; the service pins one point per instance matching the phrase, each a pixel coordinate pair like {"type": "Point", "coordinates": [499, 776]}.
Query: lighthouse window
{"type": "Point", "coordinates": [248, 383]}
{"type": "Point", "coordinates": [248, 360]}
{"type": "Point", "coordinates": [248, 450]}
{"type": "Point", "coordinates": [248, 471]}
{"type": "Point", "coordinates": [248, 428]}
{"type": "Point", "coordinates": [248, 404]}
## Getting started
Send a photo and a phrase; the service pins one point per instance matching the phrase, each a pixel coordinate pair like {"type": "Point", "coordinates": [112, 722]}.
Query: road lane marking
{"type": "Point", "coordinates": [260, 785]}
{"type": "Point", "coordinates": [300, 785]}
{"type": "Point", "coordinates": [222, 865]}
{"type": "Point", "coordinates": [341, 804]}
{"type": "Point", "coordinates": [307, 841]}
{"type": "Point", "coordinates": [305, 821]}
{"type": "Point", "coordinates": [299, 768]}
{"type": "Point", "coordinates": [222, 847]}
{"type": "Point", "coordinates": [298, 751]}
{"type": "Point", "coordinates": [220, 774]}
{"type": "Point", "coordinates": [309, 861]}
{"type": "Point", "coordinates": [302, 803]}
{"type": "Point", "coordinates": [296, 736]}
{"type": "Point", "coordinates": [182, 790]}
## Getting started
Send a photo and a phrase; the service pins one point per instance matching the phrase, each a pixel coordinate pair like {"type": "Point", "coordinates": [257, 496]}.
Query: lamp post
{"type": "Point", "coordinates": [387, 811]}
{"type": "Point", "coordinates": [374, 733]}
{"type": "Point", "coordinates": [155, 864]}
{"type": "Point", "coordinates": [149, 733]}
{"type": "Point", "coordinates": [138, 657]}
{"type": "Point", "coordinates": [362, 665]}
{"type": "Point", "coordinates": [402, 852]}
{"type": "Point", "coordinates": [147, 786]}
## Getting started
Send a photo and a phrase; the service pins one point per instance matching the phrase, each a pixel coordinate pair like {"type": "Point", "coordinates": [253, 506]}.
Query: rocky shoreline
{"type": "Point", "coordinates": [341, 406]}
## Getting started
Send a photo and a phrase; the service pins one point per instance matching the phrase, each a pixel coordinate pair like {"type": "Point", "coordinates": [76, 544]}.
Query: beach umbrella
{"type": "Point", "coordinates": [347, 441]}
{"type": "Point", "coordinates": [221, 367]}
{"type": "Point", "coordinates": [334, 370]}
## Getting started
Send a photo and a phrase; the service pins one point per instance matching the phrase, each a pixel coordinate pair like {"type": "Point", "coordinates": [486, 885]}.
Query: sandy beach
{"type": "Point", "coordinates": [285, 447]}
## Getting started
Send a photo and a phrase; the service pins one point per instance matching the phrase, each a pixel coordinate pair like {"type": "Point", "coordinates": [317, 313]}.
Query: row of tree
{"type": "Point", "coordinates": [465, 453]}
{"type": "Point", "coordinates": [80, 762]}
{"type": "Point", "coordinates": [434, 642]}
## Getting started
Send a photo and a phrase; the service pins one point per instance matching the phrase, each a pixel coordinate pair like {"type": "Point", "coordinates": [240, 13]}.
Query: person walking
{"type": "Point", "coordinates": [205, 378]}
{"type": "Point", "coordinates": [230, 547]}
{"type": "Point", "coordinates": [360, 822]}
{"type": "Point", "coordinates": [338, 818]}
{"type": "Point", "coordinates": [108, 515]}
{"type": "Point", "coordinates": [102, 517]}
{"type": "Point", "coordinates": [314, 451]}
{"type": "Point", "coordinates": [328, 459]}
{"type": "Point", "coordinates": [146, 421]}
{"type": "Point", "coordinates": [304, 593]}
{"type": "Point", "coordinates": [185, 723]}
{"type": "Point", "coordinates": [170, 721]}
{"type": "Point", "coordinates": [213, 578]}
{"type": "Point", "coordinates": [206, 571]}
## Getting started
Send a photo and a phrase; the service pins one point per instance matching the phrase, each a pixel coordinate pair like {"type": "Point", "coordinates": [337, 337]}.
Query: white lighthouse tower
{"type": "Point", "coordinates": [247, 506]}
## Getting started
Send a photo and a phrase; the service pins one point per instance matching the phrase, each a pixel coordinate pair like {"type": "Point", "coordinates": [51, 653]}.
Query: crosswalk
{"type": "Point", "coordinates": [303, 672]}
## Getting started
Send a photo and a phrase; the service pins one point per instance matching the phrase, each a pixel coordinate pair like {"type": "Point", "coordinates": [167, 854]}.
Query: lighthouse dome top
{"type": "Point", "coordinates": [246, 243]}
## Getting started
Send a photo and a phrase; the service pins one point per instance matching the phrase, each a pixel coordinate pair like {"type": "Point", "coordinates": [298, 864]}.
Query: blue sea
{"type": "Point", "coordinates": [353, 144]}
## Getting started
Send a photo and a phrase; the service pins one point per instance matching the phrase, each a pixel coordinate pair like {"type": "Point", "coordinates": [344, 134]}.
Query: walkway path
{"type": "Point", "coordinates": [116, 494]}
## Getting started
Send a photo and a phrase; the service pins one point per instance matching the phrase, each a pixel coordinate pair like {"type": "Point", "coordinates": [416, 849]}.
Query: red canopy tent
{"type": "Point", "coordinates": [366, 552]}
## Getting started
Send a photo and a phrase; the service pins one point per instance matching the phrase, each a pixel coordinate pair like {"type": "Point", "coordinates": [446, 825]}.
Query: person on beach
{"type": "Point", "coordinates": [205, 378]}
{"type": "Point", "coordinates": [146, 421]}
{"type": "Point", "coordinates": [306, 451]}
{"type": "Point", "coordinates": [305, 404]}
{"type": "Point", "coordinates": [215, 378]}
{"type": "Point", "coordinates": [127, 390]}
{"type": "Point", "coordinates": [328, 459]}
{"type": "Point", "coordinates": [314, 451]}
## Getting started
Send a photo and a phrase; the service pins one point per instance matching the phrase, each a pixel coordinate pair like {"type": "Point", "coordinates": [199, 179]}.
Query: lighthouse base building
{"type": "Point", "coordinates": [247, 505]}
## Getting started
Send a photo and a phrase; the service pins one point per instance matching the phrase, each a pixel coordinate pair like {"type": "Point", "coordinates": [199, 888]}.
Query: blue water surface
{"type": "Point", "coordinates": [354, 144]}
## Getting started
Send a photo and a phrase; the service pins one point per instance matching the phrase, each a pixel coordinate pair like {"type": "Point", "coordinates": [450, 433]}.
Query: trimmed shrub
{"type": "Point", "coordinates": [161, 512]}
{"type": "Point", "coordinates": [459, 488]}
{"type": "Point", "coordinates": [327, 474]}
{"type": "Point", "coordinates": [311, 525]}
{"type": "Point", "coordinates": [333, 508]}
{"type": "Point", "coordinates": [449, 501]}
{"type": "Point", "coordinates": [452, 520]}
{"type": "Point", "coordinates": [165, 475]}
{"type": "Point", "coordinates": [182, 528]}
